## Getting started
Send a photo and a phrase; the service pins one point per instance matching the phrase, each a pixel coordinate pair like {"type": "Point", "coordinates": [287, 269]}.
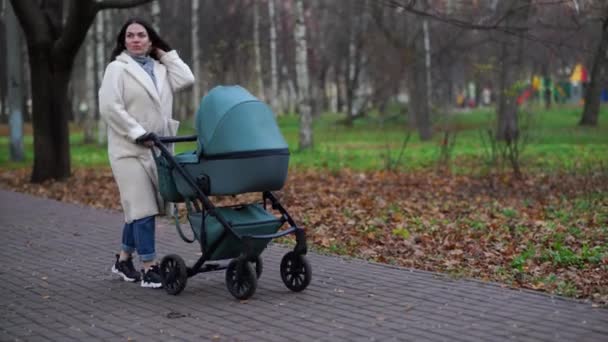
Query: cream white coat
{"type": "Point", "coordinates": [132, 105]}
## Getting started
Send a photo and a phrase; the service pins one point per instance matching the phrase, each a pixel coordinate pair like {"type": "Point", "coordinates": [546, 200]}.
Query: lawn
{"type": "Point", "coordinates": [554, 142]}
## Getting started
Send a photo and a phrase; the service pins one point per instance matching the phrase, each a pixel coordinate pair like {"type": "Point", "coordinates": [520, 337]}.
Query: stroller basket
{"type": "Point", "coordinates": [245, 220]}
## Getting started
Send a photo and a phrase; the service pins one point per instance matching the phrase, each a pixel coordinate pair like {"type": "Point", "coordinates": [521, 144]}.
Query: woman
{"type": "Point", "coordinates": [135, 99]}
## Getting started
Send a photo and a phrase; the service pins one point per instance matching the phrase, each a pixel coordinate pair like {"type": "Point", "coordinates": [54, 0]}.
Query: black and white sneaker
{"type": "Point", "coordinates": [151, 278]}
{"type": "Point", "coordinates": [125, 269]}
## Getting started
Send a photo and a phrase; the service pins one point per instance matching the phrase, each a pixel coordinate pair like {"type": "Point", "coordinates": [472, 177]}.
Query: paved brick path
{"type": "Point", "coordinates": [56, 285]}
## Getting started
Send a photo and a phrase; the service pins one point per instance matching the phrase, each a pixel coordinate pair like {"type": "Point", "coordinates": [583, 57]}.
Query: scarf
{"type": "Point", "coordinates": [147, 63]}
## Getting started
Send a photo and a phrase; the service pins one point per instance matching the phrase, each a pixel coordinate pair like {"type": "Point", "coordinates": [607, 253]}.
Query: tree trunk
{"type": "Point", "coordinates": [4, 111]}
{"type": "Point", "coordinates": [155, 14]}
{"type": "Point", "coordinates": [302, 78]}
{"type": "Point", "coordinates": [509, 72]}
{"type": "Point", "coordinates": [91, 93]}
{"type": "Point", "coordinates": [100, 62]}
{"type": "Point", "coordinates": [50, 113]}
{"type": "Point", "coordinates": [420, 102]}
{"type": "Point", "coordinates": [419, 88]}
{"type": "Point", "coordinates": [508, 128]}
{"type": "Point", "coordinates": [598, 74]}
{"type": "Point", "coordinates": [15, 85]}
{"type": "Point", "coordinates": [357, 26]}
{"type": "Point", "coordinates": [274, 71]}
{"type": "Point", "coordinates": [427, 61]}
{"type": "Point", "coordinates": [259, 82]}
{"type": "Point", "coordinates": [196, 57]}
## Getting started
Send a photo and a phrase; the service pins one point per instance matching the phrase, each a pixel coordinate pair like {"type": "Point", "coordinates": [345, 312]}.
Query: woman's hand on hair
{"type": "Point", "coordinates": [159, 52]}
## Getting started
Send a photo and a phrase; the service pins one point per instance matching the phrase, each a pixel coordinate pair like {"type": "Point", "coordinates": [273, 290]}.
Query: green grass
{"type": "Point", "coordinates": [556, 142]}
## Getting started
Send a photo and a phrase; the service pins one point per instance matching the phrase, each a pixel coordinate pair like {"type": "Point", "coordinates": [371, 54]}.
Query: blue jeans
{"type": "Point", "coordinates": [139, 235]}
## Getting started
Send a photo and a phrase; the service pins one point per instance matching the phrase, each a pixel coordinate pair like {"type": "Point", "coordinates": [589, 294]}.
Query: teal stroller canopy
{"type": "Point", "coordinates": [231, 120]}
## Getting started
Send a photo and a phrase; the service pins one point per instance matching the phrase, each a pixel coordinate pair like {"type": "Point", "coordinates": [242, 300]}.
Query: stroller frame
{"type": "Point", "coordinates": [241, 275]}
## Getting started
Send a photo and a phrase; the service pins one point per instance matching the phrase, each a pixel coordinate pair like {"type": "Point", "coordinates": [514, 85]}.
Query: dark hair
{"type": "Point", "coordinates": [152, 34]}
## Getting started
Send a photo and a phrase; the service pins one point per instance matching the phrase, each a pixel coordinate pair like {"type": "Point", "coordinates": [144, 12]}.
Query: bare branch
{"type": "Point", "coordinates": [103, 4]}
{"type": "Point", "coordinates": [32, 21]}
{"type": "Point", "coordinates": [80, 17]}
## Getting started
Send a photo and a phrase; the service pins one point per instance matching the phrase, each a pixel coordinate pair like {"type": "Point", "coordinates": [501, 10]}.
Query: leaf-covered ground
{"type": "Point", "coordinates": [545, 232]}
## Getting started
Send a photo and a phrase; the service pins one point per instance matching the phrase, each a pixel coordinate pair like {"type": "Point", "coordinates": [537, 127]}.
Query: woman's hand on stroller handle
{"type": "Point", "coordinates": [146, 139]}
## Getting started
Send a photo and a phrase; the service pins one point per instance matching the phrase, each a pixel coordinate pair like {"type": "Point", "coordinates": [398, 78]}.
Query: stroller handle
{"type": "Point", "coordinates": [165, 140]}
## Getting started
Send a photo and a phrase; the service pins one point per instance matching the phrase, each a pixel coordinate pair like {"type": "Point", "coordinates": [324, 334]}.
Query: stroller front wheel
{"type": "Point", "coordinates": [259, 266]}
{"type": "Point", "coordinates": [241, 279]}
{"type": "Point", "coordinates": [173, 274]}
{"type": "Point", "coordinates": [295, 271]}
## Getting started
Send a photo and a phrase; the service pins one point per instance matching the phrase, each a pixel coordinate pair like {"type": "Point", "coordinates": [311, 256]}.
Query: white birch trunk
{"type": "Point", "coordinates": [100, 62]}
{"type": "Point", "coordinates": [274, 72]}
{"type": "Point", "coordinates": [427, 60]}
{"type": "Point", "coordinates": [196, 58]}
{"type": "Point", "coordinates": [352, 69]}
{"type": "Point", "coordinates": [90, 93]}
{"type": "Point", "coordinates": [288, 95]}
{"type": "Point", "coordinates": [256, 51]}
{"type": "Point", "coordinates": [15, 85]}
{"type": "Point", "coordinates": [302, 78]}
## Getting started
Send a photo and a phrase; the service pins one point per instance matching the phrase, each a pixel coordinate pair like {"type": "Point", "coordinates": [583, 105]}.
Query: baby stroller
{"type": "Point", "coordinates": [240, 149]}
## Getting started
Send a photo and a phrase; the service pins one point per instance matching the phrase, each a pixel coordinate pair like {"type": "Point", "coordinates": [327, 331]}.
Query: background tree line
{"type": "Point", "coordinates": [309, 57]}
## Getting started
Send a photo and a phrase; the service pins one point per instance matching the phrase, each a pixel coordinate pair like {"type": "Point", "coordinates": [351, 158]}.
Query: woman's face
{"type": "Point", "coordinates": [137, 40]}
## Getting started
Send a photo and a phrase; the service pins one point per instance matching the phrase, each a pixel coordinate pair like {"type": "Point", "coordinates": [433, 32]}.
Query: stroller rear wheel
{"type": "Point", "coordinates": [173, 274]}
{"type": "Point", "coordinates": [241, 279]}
{"type": "Point", "coordinates": [295, 271]}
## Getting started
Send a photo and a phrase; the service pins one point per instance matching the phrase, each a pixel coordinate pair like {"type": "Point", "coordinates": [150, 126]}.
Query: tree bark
{"type": "Point", "coordinates": [591, 109]}
{"type": "Point", "coordinates": [50, 114]}
{"type": "Point", "coordinates": [304, 105]}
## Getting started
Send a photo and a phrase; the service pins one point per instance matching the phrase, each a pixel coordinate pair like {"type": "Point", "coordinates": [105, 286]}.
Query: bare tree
{"type": "Point", "coordinates": [52, 46]}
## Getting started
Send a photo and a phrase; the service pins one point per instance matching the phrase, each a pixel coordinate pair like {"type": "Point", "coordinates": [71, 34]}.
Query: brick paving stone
{"type": "Point", "coordinates": [62, 289]}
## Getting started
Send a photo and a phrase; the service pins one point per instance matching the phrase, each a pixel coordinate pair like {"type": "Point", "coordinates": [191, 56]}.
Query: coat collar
{"type": "Point", "coordinates": [135, 70]}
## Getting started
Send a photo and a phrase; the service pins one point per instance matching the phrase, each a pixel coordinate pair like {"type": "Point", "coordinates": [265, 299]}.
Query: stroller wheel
{"type": "Point", "coordinates": [295, 271]}
{"type": "Point", "coordinates": [241, 279]}
{"type": "Point", "coordinates": [173, 274]}
{"type": "Point", "coordinates": [259, 266]}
